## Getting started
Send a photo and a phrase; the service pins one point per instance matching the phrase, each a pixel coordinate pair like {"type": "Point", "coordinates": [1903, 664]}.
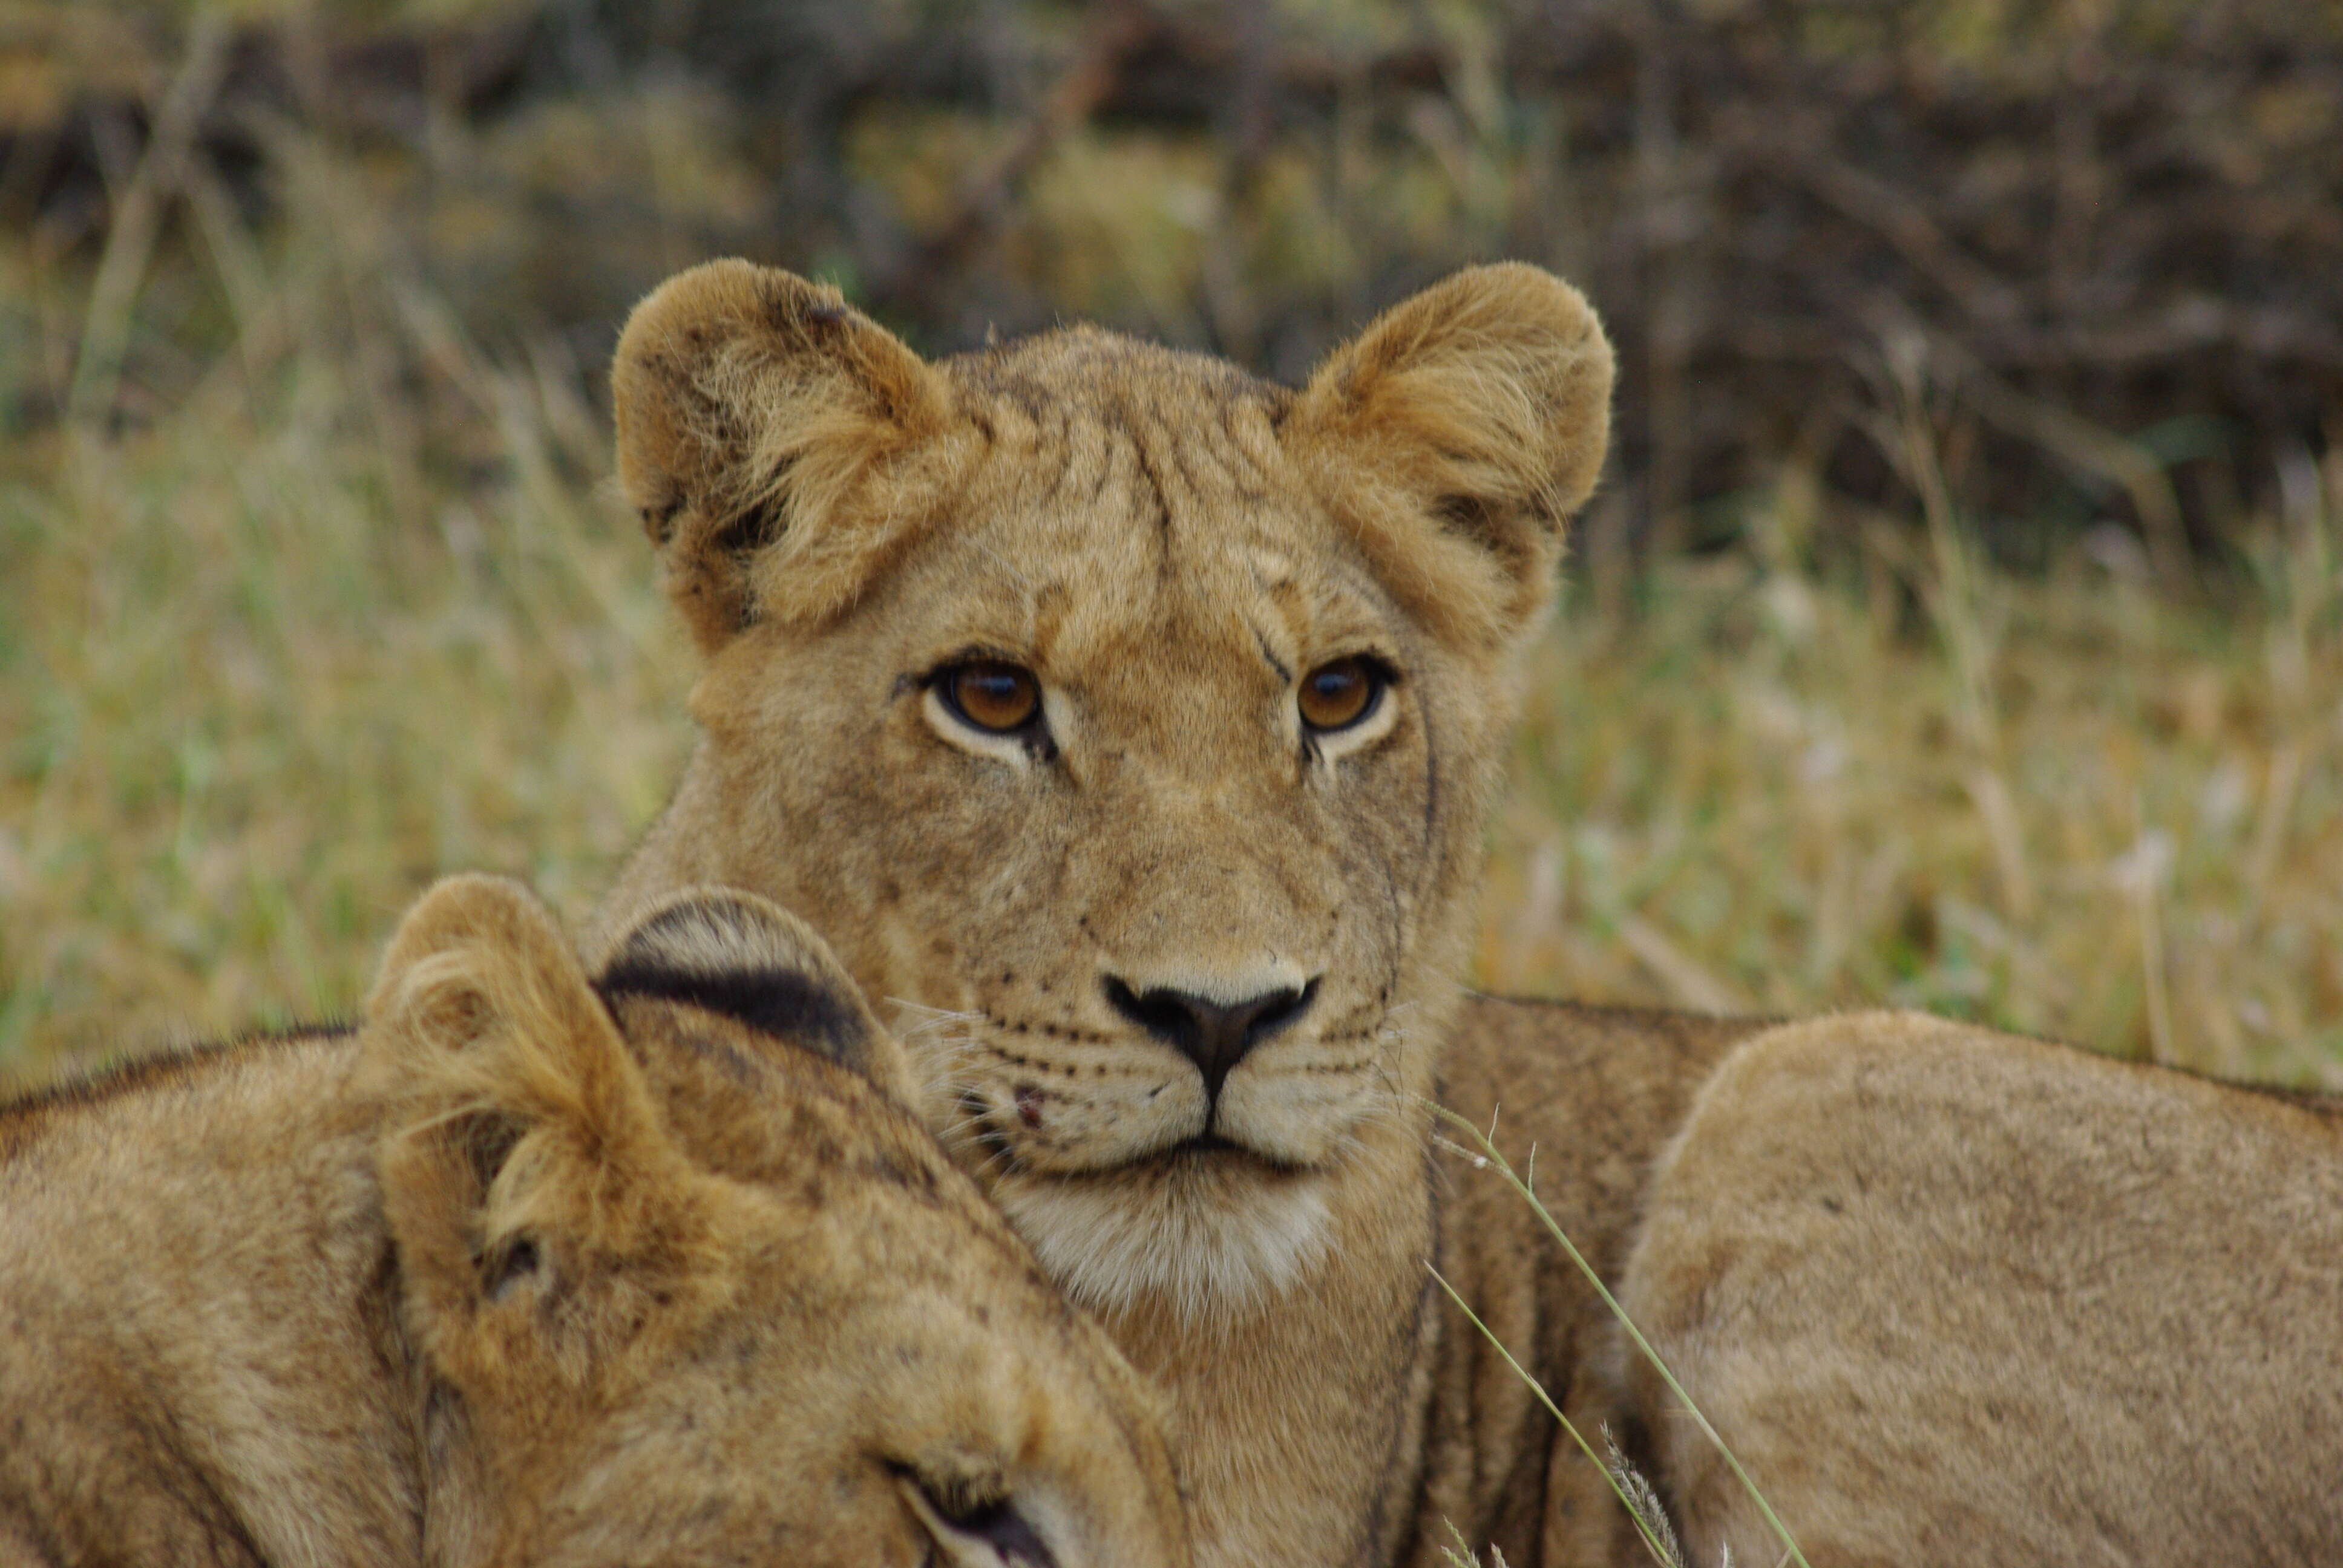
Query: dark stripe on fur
{"type": "Point", "coordinates": [159, 1069]}
{"type": "Point", "coordinates": [785, 1003]}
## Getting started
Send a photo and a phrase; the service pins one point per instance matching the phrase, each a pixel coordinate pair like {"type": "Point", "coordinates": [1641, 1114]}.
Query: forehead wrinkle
{"type": "Point", "coordinates": [1252, 439]}
{"type": "Point", "coordinates": [1130, 486]}
{"type": "Point", "coordinates": [1084, 468]}
{"type": "Point", "coordinates": [1286, 611]}
{"type": "Point", "coordinates": [1214, 511]}
{"type": "Point", "coordinates": [1046, 615]}
{"type": "Point", "coordinates": [1188, 455]}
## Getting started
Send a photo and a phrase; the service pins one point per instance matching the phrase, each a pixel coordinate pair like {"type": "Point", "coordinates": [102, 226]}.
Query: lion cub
{"type": "Point", "coordinates": [535, 1266]}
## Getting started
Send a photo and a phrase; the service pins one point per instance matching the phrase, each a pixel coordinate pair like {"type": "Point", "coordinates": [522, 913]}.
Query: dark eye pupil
{"type": "Point", "coordinates": [994, 696]}
{"type": "Point", "coordinates": [1338, 694]}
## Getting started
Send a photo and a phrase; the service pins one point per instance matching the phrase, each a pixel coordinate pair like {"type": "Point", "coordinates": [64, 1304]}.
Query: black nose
{"type": "Point", "coordinates": [1213, 1035]}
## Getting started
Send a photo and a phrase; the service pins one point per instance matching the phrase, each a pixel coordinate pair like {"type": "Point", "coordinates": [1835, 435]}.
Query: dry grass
{"type": "Point", "coordinates": [323, 599]}
{"type": "Point", "coordinates": [348, 612]}
{"type": "Point", "coordinates": [2061, 805]}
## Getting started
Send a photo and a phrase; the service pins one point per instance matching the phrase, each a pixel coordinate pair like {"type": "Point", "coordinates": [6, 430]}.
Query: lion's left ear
{"type": "Point", "coordinates": [1456, 436]}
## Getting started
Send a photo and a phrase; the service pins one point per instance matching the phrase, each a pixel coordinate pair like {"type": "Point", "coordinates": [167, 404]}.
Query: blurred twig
{"type": "Point", "coordinates": [1120, 27]}
{"type": "Point", "coordinates": [2098, 452]}
{"type": "Point", "coordinates": [137, 217]}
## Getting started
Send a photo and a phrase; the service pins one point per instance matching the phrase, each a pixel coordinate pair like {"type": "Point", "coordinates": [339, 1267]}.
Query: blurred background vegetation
{"type": "Point", "coordinates": [1958, 624]}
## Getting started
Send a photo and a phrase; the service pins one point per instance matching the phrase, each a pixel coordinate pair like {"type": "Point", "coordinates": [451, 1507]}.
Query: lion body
{"type": "Point", "coordinates": [277, 1326]}
{"type": "Point", "coordinates": [278, 1303]}
{"type": "Point", "coordinates": [1954, 1297]}
{"type": "Point", "coordinates": [1163, 551]}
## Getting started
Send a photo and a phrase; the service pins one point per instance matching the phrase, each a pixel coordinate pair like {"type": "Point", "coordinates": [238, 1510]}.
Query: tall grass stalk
{"type": "Point", "coordinates": [1657, 1534]}
{"type": "Point", "coordinates": [1495, 1159]}
{"type": "Point", "coordinates": [1460, 1552]}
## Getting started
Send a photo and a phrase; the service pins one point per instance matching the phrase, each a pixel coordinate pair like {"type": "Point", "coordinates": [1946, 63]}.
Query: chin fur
{"type": "Point", "coordinates": [1210, 1241]}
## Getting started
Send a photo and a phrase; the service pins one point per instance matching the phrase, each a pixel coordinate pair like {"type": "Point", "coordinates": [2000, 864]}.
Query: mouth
{"type": "Point", "coordinates": [1204, 1224]}
{"type": "Point", "coordinates": [1199, 1152]}
{"type": "Point", "coordinates": [1208, 1144]}
{"type": "Point", "coordinates": [1210, 1150]}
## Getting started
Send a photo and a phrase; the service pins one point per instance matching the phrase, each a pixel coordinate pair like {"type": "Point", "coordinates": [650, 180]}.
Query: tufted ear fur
{"type": "Point", "coordinates": [1456, 434]}
{"type": "Point", "coordinates": [761, 425]}
{"type": "Point", "coordinates": [735, 953]}
{"type": "Point", "coordinates": [538, 1204]}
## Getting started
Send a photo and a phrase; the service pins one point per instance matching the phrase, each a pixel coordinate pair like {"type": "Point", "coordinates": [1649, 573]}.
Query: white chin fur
{"type": "Point", "coordinates": [1210, 1246]}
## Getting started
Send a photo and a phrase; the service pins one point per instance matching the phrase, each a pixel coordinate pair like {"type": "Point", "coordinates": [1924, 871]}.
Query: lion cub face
{"type": "Point", "coordinates": [700, 1291]}
{"type": "Point", "coordinates": [1136, 713]}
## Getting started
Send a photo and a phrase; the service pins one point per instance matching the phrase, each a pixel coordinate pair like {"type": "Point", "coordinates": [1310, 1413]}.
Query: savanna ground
{"type": "Point", "coordinates": [312, 588]}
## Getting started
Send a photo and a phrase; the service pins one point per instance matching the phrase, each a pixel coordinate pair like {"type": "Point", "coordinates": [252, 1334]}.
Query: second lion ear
{"type": "Point", "coordinates": [734, 953]}
{"type": "Point", "coordinates": [761, 422]}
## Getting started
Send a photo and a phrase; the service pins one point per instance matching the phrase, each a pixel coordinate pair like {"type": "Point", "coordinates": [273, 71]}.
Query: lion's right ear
{"type": "Point", "coordinates": [1455, 436]}
{"type": "Point", "coordinates": [520, 1155]}
{"type": "Point", "coordinates": [760, 422]}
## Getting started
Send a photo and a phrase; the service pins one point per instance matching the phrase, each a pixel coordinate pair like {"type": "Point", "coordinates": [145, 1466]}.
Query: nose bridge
{"type": "Point", "coordinates": [1199, 899]}
{"type": "Point", "coordinates": [1205, 944]}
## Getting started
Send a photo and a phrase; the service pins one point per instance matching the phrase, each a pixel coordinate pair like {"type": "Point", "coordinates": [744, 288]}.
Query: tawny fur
{"type": "Point", "coordinates": [523, 1272]}
{"type": "Point", "coordinates": [1170, 544]}
{"type": "Point", "coordinates": [1954, 1297]}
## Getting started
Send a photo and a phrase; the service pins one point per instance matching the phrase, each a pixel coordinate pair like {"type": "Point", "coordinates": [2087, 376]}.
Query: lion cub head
{"type": "Point", "coordinates": [692, 1288]}
{"type": "Point", "coordinates": [1138, 714]}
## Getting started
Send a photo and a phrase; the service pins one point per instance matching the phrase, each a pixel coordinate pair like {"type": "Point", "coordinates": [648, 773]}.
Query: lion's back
{"type": "Point", "coordinates": [2044, 1279]}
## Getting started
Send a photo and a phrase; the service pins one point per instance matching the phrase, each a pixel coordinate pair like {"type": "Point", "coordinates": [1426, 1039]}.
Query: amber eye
{"type": "Point", "coordinates": [992, 695]}
{"type": "Point", "coordinates": [1338, 694]}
